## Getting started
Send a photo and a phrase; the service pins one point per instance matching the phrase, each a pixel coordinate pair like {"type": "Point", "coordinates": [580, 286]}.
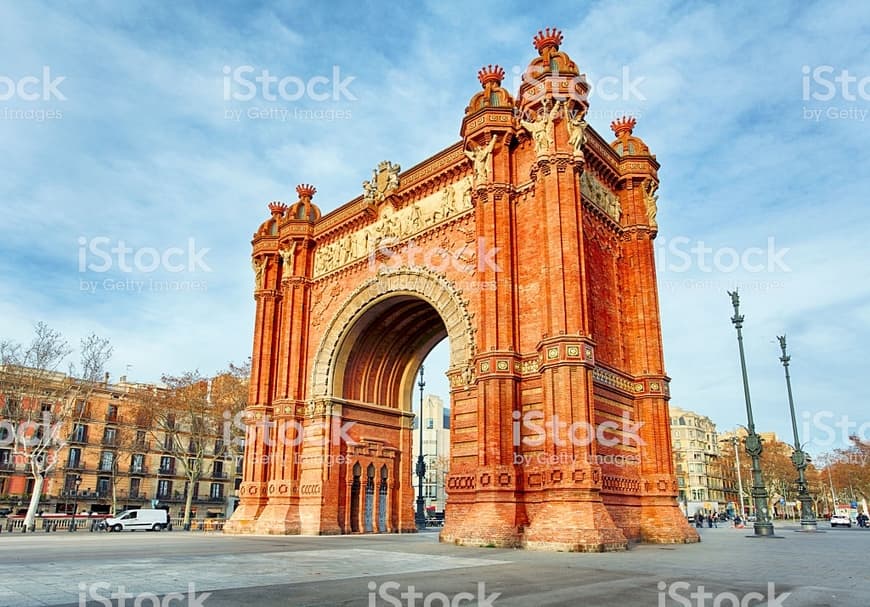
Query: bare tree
{"type": "Point", "coordinates": [183, 420]}
{"type": "Point", "coordinates": [39, 401]}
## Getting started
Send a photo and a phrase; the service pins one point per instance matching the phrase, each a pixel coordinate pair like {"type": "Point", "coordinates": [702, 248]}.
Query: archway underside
{"type": "Point", "coordinates": [393, 337]}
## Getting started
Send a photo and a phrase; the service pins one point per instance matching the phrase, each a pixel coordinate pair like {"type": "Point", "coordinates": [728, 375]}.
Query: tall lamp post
{"type": "Point", "coordinates": [78, 482]}
{"type": "Point", "coordinates": [799, 457]}
{"type": "Point", "coordinates": [763, 526]}
{"type": "Point", "coordinates": [733, 440]}
{"type": "Point", "coordinates": [420, 518]}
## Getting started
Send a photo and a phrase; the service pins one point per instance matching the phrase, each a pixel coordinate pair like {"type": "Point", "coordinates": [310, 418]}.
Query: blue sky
{"type": "Point", "coordinates": [140, 142]}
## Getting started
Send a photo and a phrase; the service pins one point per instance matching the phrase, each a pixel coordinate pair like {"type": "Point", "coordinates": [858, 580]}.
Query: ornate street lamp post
{"type": "Point", "coordinates": [420, 518]}
{"type": "Point", "coordinates": [78, 482]}
{"type": "Point", "coordinates": [763, 526]}
{"type": "Point", "coordinates": [799, 457]}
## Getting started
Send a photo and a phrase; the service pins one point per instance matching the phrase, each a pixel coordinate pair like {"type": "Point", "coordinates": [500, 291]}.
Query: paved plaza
{"type": "Point", "coordinates": [145, 569]}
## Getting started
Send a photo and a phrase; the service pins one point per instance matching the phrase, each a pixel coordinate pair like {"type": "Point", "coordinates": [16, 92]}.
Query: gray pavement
{"type": "Point", "coordinates": [144, 569]}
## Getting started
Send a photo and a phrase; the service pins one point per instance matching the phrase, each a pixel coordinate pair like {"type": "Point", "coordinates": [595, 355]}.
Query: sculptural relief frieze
{"type": "Point", "coordinates": [394, 226]}
{"type": "Point", "coordinates": [594, 191]}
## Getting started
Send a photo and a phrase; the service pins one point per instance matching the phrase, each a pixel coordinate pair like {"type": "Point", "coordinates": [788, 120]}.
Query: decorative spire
{"type": "Point", "coordinates": [623, 127]}
{"type": "Point", "coordinates": [305, 191]}
{"type": "Point", "coordinates": [549, 38]}
{"type": "Point", "coordinates": [277, 208]}
{"type": "Point", "coordinates": [490, 74]}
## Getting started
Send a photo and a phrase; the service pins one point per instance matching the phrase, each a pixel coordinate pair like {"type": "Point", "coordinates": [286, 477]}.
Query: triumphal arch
{"type": "Point", "coordinates": [528, 245]}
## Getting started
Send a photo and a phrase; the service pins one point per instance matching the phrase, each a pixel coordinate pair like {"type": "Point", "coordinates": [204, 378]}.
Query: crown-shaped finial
{"type": "Point", "coordinates": [550, 37]}
{"type": "Point", "coordinates": [305, 191]}
{"type": "Point", "coordinates": [277, 208]}
{"type": "Point", "coordinates": [490, 73]}
{"type": "Point", "coordinates": [623, 126]}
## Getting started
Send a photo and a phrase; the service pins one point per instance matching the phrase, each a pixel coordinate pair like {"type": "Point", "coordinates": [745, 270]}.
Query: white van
{"type": "Point", "coordinates": [150, 519]}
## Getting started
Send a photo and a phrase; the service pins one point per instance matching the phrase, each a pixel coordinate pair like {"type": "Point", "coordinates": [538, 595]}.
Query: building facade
{"type": "Point", "coordinates": [528, 245]}
{"type": "Point", "coordinates": [704, 485]}
{"type": "Point", "coordinates": [436, 452]}
{"type": "Point", "coordinates": [111, 458]}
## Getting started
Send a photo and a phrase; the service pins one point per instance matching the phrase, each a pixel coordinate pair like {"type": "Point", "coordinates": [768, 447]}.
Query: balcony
{"type": "Point", "coordinates": [79, 438]}
{"type": "Point", "coordinates": [75, 465]}
{"type": "Point", "coordinates": [142, 445]}
{"type": "Point", "coordinates": [109, 441]}
{"type": "Point", "coordinates": [170, 471]}
{"type": "Point", "coordinates": [112, 418]}
{"type": "Point", "coordinates": [138, 470]}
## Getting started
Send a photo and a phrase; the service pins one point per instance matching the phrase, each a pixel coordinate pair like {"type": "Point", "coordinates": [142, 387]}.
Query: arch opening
{"type": "Point", "coordinates": [380, 356]}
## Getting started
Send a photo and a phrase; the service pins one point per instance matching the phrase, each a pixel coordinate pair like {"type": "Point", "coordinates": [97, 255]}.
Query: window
{"type": "Point", "coordinates": [112, 413]}
{"type": "Point", "coordinates": [218, 446]}
{"type": "Point", "coordinates": [217, 491]}
{"type": "Point", "coordinates": [107, 460]}
{"type": "Point", "coordinates": [80, 433]}
{"type": "Point", "coordinates": [164, 489]}
{"type": "Point", "coordinates": [75, 458]}
{"type": "Point", "coordinates": [430, 423]}
{"type": "Point", "coordinates": [109, 435]}
{"type": "Point", "coordinates": [104, 484]}
{"type": "Point", "coordinates": [137, 463]}
{"type": "Point", "coordinates": [81, 408]}
{"type": "Point", "coordinates": [140, 438]}
{"type": "Point", "coordinates": [167, 465]}
{"type": "Point", "coordinates": [69, 483]}
{"type": "Point", "coordinates": [45, 408]}
{"type": "Point", "coordinates": [134, 487]}
{"type": "Point", "coordinates": [218, 469]}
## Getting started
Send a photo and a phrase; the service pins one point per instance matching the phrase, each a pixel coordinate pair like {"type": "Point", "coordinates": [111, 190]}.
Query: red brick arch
{"type": "Point", "coordinates": [394, 290]}
{"type": "Point", "coordinates": [529, 245]}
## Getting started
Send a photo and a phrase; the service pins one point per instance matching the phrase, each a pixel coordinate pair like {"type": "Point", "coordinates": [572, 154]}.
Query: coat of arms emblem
{"type": "Point", "coordinates": [384, 181]}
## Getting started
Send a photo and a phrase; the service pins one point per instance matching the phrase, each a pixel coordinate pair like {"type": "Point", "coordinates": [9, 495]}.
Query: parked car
{"type": "Point", "coordinates": [840, 520]}
{"type": "Point", "coordinates": [149, 519]}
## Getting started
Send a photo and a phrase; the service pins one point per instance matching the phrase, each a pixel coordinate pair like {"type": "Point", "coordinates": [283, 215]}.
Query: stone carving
{"type": "Point", "coordinates": [259, 267]}
{"type": "Point", "coordinates": [384, 181]}
{"type": "Point", "coordinates": [600, 196]}
{"type": "Point", "coordinates": [651, 199]}
{"type": "Point", "coordinates": [576, 126]}
{"type": "Point", "coordinates": [543, 129]}
{"type": "Point", "coordinates": [423, 282]}
{"type": "Point", "coordinates": [394, 226]}
{"type": "Point", "coordinates": [287, 256]}
{"type": "Point", "coordinates": [480, 161]}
